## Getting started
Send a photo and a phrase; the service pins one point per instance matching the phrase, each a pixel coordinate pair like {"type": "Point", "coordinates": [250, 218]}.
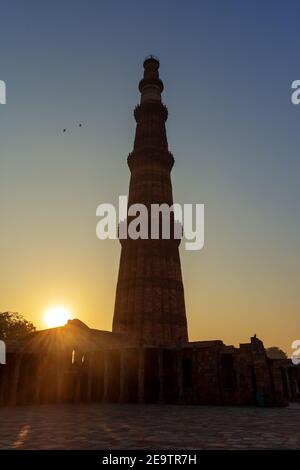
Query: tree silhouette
{"type": "Point", "coordinates": [14, 326]}
{"type": "Point", "coordinates": [276, 353]}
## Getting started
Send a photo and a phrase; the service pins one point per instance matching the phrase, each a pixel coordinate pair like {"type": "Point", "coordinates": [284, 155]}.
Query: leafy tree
{"type": "Point", "coordinates": [14, 326]}
{"type": "Point", "coordinates": [276, 353]}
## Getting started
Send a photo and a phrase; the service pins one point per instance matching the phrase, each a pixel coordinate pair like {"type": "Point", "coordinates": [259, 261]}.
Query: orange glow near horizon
{"type": "Point", "coordinates": [56, 316]}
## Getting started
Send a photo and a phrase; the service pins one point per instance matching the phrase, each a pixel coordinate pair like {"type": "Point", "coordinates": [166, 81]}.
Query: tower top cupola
{"type": "Point", "coordinates": [151, 86]}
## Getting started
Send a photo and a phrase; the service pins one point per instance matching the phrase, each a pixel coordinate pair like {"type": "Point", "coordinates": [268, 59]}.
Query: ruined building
{"type": "Point", "coordinates": [147, 357]}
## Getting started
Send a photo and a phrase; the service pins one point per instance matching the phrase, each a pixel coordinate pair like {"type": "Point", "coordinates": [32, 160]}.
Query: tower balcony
{"type": "Point", "coordinates": [148, 108]}
{"type": "Point", "coordinates": [153, 155]}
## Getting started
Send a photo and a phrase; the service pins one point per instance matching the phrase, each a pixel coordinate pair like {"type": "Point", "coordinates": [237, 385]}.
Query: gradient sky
{"type": "Point", "coordinates": [227, 67]}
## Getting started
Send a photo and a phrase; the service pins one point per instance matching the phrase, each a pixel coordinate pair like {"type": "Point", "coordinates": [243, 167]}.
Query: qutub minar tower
{"type": "Point", "coordinates": [149, 302]}
{"type": "Point", "coordinates": [147, 358]}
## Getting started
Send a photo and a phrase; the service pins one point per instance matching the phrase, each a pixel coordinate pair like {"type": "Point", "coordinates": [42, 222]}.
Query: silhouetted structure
{"type": "Point", "coordinates": [74, 363]}
{"type": "Point", "coordinates": [150, 298]}
{"type": "Point", "coordinates": [147, 357]}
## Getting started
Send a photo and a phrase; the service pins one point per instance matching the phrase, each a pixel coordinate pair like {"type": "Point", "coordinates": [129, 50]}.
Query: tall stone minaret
{"type": "Point", "coordinates": [149, 304]}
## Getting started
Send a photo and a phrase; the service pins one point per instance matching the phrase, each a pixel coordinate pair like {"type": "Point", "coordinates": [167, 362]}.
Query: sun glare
{"type": "Point", "coordinates": [56, 316]}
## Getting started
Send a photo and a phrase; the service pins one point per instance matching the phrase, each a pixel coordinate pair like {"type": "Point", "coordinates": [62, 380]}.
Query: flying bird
{"type": "Point", "coordinates": [79, 125]}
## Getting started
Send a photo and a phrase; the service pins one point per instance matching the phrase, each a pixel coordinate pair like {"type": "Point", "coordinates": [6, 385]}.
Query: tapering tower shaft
{"type": "Point", "coordinates": [149, 305]}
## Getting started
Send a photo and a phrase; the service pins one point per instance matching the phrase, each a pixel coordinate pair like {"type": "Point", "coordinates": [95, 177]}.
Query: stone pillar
{"type": "Point", "coordinates": [57, 360]}
{"type": "Point", "coordinates": [15, 381]}
{"type": "Point", "coordinates": [90, 376]}
{"type": "Point", "coordinates": [298, 380]}
{"type": "Point", "coordinates": [38, 379]}
{"type": "Point", "coordinates": [3, 383]}
{"type": "Point", "coordinates": [161, 375]}
{"type": "Point", "coordinates": [278, 386]}
{"type": "Point", "coordinates": [288, 385]}
{"type": "Point", "coordinates": [78, 366]}
{"type": "Point", "coordinates": [42, 369]}
{"type": "Point", "coordinates": [141, 375]}
{"type": "Point", "coordinates": [105, 375]}
{"type": "Point", "coordinates": [292, 383]}
{"type": "Point", "coordinates": [122, 397]}
{"type": "Point", "coordinates": [179, 377]}
{"type": "Point", "coordinates": [59, 364]}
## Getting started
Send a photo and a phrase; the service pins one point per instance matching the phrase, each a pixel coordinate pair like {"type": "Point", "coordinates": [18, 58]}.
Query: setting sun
{"type": "Point", "coordinates": [56, 316]}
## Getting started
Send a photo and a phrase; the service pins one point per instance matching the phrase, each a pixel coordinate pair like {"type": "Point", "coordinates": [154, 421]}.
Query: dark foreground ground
{"type": "Point", "coordinates": [97, 426]}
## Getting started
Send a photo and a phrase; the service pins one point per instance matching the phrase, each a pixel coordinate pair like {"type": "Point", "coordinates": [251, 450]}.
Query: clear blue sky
{"type": "Point", "coordinates": [227, 67]}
